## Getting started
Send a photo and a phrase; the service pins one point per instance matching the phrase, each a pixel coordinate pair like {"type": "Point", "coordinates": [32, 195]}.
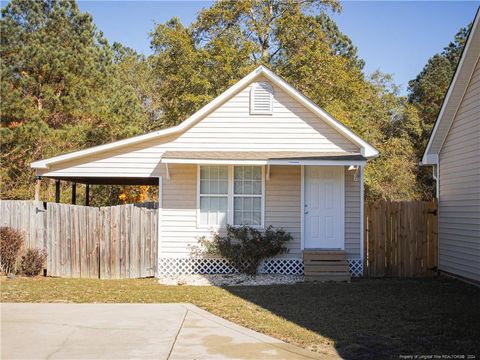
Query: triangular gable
{"type": "Point", "coordinates": [366, 149]}
{"type": "Point", "coordinates": [456, 91]}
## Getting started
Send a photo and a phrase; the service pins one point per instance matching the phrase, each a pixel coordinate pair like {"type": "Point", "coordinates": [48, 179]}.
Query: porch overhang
{"type": "Point", "coordinates": [263, 158]}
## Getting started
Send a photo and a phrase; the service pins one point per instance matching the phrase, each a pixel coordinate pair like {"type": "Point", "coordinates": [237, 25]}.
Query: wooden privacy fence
{"type": "Point", "coordinates": [121, 241]}
{"type": "Point", "coordinates": [109, 242]}
{"type": "Point", "coordinates": [400, 239]}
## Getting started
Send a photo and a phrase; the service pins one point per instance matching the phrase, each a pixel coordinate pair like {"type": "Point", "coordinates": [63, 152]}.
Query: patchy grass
{"type": "Point", "coordinates": [365, 319]}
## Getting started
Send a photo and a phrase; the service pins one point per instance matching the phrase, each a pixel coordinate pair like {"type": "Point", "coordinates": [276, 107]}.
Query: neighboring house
{"type": "Point", "coordinates": [259, 154]}
{"type": "Point", "coordinates": [454, 150]}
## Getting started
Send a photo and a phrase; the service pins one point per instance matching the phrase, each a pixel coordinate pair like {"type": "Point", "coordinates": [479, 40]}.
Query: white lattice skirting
{"type": "Point", "coordinates": [355, 267]}
{"type": "Point", "coordinates": [182, 266]}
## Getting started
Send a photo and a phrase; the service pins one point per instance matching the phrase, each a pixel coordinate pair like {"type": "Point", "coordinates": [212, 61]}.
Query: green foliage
{"type": "Point", "coordinates": [65, 88]}
{"type": "Point", "coordinates": [33, 262]}
{"type": "Point", "coordinates": [246, 247]}
{"type": "Point", "coordinates": [340, 43]}
{"type": "Point", "coordinates": [11, 242]}
{"type": "Point", "coordinates": [61, 89]}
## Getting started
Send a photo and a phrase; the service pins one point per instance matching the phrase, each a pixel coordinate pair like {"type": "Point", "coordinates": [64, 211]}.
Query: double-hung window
{"type": "Point", "coordinates": [231, 194]}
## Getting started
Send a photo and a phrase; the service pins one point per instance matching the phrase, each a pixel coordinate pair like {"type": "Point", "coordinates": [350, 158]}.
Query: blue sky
{"type": "Point", "coordinates": [396, 37]}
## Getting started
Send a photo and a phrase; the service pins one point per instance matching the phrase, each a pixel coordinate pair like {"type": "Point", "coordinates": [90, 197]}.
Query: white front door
{"type": "Point", "coordinates": [324, 207]}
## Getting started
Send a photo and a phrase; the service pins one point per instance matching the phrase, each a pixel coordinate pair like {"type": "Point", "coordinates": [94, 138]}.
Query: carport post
{"type": "Point", "coordinates": [74, 193]}
{"type": "Point", "coordinates": [57, 191]}
{"type": "Point", "coordinates": [87, 194]}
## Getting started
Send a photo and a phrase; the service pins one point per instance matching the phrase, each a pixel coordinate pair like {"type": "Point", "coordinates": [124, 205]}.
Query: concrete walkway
{"type": "Point", "coordinates": [125, 331]}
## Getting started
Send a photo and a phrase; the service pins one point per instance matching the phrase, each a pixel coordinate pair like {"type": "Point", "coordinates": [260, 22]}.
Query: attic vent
{"type": "Point", "coordinates": [261, 98]}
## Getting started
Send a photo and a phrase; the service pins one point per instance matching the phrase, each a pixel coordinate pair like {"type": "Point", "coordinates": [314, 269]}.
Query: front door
{"type": "Point", "coordinates": [324, 210]}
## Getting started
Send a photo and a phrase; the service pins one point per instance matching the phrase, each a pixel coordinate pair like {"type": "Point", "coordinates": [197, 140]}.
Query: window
{"type": "Point", "coordinates": [213, 195]}
{"type": "Point", "coordinates": [230, 194]}
{"type": "Point", "coordinates": [247, 195]}
{"type": "Point", "coordinates": [261, 99]}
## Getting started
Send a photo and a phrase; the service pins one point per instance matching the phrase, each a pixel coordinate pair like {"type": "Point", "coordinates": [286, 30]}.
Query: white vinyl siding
{"type": "Point", "coordinates": [178, 231]}
{"type": "Point", "coordinates": [459, 184]}
{"type": "Point", "coordinates": [352, 214]}
{"type": "Point", "coordinates": [231, 127]}
{"type": "Point", "coordinates": [282, 204]}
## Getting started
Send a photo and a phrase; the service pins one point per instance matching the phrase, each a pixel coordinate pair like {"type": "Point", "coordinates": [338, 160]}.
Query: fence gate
{"type": "Point", "coordinates": [28, 216]}
{"type": "Point", "coordinates": [400, 239]}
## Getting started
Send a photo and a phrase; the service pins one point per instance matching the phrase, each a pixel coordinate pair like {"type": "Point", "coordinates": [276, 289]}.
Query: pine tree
{"type": "Point", "coordinates": [60, 88]}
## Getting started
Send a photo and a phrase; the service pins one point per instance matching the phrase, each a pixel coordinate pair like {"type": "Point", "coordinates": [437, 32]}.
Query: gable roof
{"type": "Point", "coordinates": [367, 150]}
{"type": "Point", "coordinates": [455, 94]}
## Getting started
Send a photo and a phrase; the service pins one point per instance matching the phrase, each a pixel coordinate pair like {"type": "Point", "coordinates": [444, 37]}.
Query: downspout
{"type": "Point", "coordinates": [436, 177]}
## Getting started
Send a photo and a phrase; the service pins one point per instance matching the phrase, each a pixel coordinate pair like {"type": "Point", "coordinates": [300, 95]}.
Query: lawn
{"type": "Point", "coordinates": [364, 319]}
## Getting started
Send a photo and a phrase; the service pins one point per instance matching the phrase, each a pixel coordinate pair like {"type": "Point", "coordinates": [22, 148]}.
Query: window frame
{"type": "Point", "coordinates": [199, 196]}
{"type": "Point", "coordinates": [231, 195]}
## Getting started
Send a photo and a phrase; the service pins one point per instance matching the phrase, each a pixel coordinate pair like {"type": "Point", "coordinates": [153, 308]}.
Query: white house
{"type": "Point", "coordinates": [259, 154]}
{"type": "Point", "coordinates": [454, 150]}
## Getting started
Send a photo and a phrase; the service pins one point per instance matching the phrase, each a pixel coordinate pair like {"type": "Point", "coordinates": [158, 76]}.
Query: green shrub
{"type": "Point", "coordinates": [246, 247]}
{"type": "Point", "coordinates": [11, 242]}
{"type": "Point", "coordinates": [32, 262]}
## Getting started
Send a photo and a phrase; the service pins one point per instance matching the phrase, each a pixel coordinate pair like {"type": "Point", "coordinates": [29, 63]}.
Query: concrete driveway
{"type": "Point", "coordinates": [125, 331]}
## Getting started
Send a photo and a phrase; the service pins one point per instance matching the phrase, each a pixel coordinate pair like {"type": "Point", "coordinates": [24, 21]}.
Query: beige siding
{"type": "Point", "coordinates": [282, 203]}
{"type": "Point", "coordinates": [459, 201]}
{"type": "Point", "coordinates": [179, 231]}
{"type": "Point", "coordinates": [292, 127]}
{"type": "Point", "coordinates": [352, 214]}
